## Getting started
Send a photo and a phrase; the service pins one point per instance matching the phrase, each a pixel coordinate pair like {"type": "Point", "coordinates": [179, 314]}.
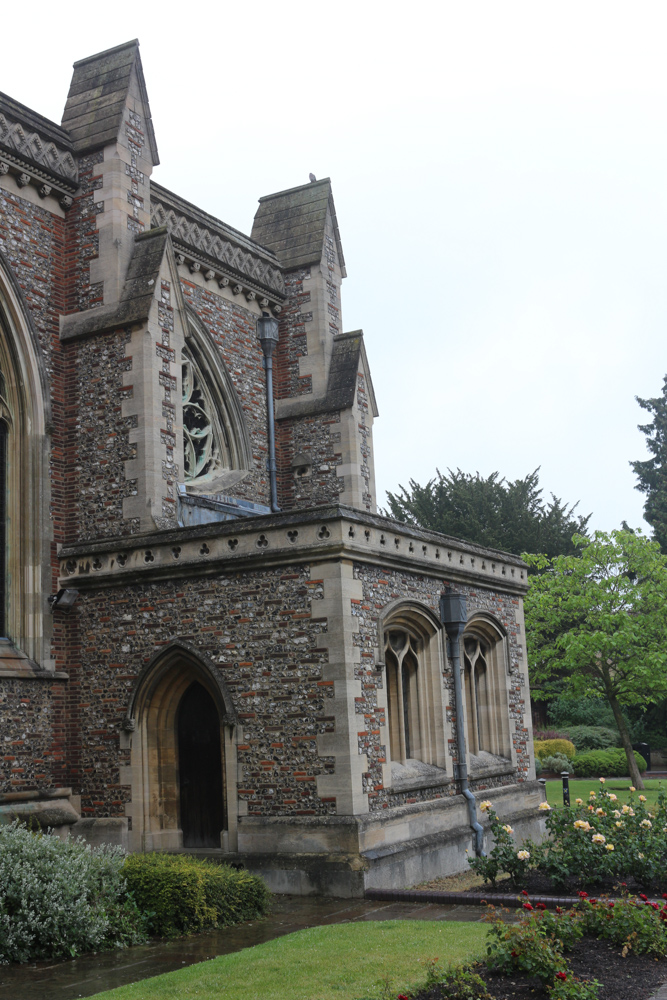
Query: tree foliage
{"type": "Point", "coordinates": [652, 473]}
{"type": "Point", "coordinates": [596, 624]}
{"type": "Point", "coordinates": [511, 516]}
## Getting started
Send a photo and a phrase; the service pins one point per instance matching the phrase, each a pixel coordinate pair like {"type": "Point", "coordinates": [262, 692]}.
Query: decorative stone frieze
{"type": "Point", "coordinates": [36, 146]}
{"type": "Point", "coordinates": [197, 231]}
{"type": "Point", "coordinates": [325, 533]}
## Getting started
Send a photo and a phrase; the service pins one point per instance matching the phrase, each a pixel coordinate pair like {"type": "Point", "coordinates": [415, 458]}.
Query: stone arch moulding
{"type": "Point", "coordinates": [487, 700]}
{"type": "Point", "coordinates": [491, 629]}
{"type": "Point", "coordinates": [150, 735]}
{"type": "Point", "coordinates": [206, 354]}
{"type": "Point", "coordinates": [414, 702]}
{"type": "Point", "coordinates": [26, 411]}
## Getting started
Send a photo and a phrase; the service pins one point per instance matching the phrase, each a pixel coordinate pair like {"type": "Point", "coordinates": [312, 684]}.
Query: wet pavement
{"type": "Point", "coordinates": [83, 977]}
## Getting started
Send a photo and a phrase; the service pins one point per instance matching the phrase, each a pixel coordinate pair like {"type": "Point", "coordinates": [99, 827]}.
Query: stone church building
{"type": "Point", "coordinates": [210, 639]}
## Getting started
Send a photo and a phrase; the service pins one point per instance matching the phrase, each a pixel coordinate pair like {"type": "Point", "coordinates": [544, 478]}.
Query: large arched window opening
{"type": "Point", "coordinates": [415, 708]}
{"type": "Point", "coordinates": [485, 671]}
{"type": "Point", "coordinates": [25, 526]}
{"type": "Point", "coordinates": [216, 444]}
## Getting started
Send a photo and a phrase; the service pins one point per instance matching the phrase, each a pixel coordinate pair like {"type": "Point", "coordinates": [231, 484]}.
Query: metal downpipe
{"type": "Point", "coordinates": [455, 630]}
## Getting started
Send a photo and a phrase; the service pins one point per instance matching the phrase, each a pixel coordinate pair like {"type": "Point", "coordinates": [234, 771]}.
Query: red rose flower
{"type": "Point", "coordinates": [527, 906]}
{"type": "Point", "coordinates": [584, 895]}
{"type": "Point", "coordinates": [610, 905]}
{"type": "Point", "coordinates": [540, 906]}
{"type": "Point", "coordinates": [642, 896]}
{"type": "Point", "coordinates": [561, 975]}
{"type": "Point", "coordinates": [524, 893]}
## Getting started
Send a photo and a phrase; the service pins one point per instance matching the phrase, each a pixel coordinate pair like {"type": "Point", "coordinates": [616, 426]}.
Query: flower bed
{"type": "Point", "coordinates": [600, 949]}
{"type": "Point", "coordinates": [597, 842]}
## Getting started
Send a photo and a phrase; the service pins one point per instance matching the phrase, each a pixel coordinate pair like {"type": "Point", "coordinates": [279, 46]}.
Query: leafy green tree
{"type": "Point", "coordinates": [652, 473]}
{"type": "Point", "coordinates": [511, 516]}
{"type": "Point", "coordinates": [597, 623]}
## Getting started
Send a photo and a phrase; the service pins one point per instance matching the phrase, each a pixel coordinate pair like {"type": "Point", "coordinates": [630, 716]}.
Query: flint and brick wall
{"type": "Point", "coordinates": [380, 587]}
{"type": "Point", "coordinates": [262, 631]}
{"type": "Point", "coordinates": [33, 735]}
{"type": "Point", "coordinates": [234, 330]}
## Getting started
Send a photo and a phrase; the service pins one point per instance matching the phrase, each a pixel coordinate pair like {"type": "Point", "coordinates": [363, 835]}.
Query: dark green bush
{"type": "Point", "coordinates": [183, 895]}
{"type": "Point", "coordinates": [593, 737]}
{"type": "Point", "coordinates": [605, 763]}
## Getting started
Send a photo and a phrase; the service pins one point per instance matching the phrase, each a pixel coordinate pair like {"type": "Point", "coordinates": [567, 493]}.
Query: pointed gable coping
{"type": "Point", "coordinates": [96, 100]}
{"type": "Point", "coordinates": [292, 224]}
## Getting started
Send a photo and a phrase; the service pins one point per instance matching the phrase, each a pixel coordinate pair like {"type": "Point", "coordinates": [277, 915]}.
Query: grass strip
{"type": "Point", "coordinates": [320, 963]}
{"type": "Point", "coordinates": [580, 788]}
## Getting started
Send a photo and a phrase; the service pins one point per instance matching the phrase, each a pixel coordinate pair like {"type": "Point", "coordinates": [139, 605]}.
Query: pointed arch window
{"type": "Point", "coordinates": [217, 452]}
{"type": "Point", "coordinates": [486, 690]}
{"type": "Point", "coordinates": [206, 449]}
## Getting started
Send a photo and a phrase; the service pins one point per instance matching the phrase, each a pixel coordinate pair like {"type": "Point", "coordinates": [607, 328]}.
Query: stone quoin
{"type": "Point", "coordinates": [182, 668]}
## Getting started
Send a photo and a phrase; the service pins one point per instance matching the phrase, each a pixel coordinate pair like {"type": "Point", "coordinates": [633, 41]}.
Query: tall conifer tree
{"type": "Point", "coordinates": [652, 473]}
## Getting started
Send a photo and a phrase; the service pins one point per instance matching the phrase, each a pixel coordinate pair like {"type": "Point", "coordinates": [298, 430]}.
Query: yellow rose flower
{"type": "Point", "coordinates": [523, 855]}
{"type": "Point", "coordinates": [600, 812]}
{"type": "Point", "coordinates": [611, 797]}
{"type": "Point", "coordinates": [544, 807]}
{"type": "Point", "coordinates": [647, 823]}
{"type": "Point", "coordinates": [579, 802]}
{"type": "Point", "coordinates": [485, 806]}
{"type": "Point", "coordinates": [625, 809]}
{"type": "Point", "coordinates": [632, 788]}
{"type": "Point", "coordinates": [609, 847]}
{"type": "Point", "coordinates": [617, 814]}
{"type": "Point", "coordinates": [602, 780]}
{"type": "Point", "coordinates": [508, 829]}
{"type": "Point", "coordinates": [591, 795]}
{"type": "Point", "coordinates": [640, 855]}
{"type": "Point", "coordinates": [642, 798]}
{"type": "Point", "coordinates": [599, 838]}
{"type": "Point", "coordinates": [619, 823]}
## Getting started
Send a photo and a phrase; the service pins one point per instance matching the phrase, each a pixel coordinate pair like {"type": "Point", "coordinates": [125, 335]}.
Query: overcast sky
{"type": "Point", "coordinates": [499, 173]}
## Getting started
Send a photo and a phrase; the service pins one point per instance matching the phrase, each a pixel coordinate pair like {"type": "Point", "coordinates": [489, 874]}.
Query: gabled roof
{"type": "Point", "coordinates": [292, 224]}
{"type": "Point", "coordinates": [97, 95]}
{"type": "Point", "coordinates": [347, 355]}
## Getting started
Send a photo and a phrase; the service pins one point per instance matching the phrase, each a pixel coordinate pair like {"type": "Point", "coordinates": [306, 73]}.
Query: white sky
{"type": "Point", "coordinates": [499, 172]}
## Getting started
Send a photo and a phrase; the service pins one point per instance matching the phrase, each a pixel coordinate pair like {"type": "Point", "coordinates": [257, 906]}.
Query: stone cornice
{"type": "Point", "coordinates": [273, 540]}
{"type": "Point", "coordinates": [220, 252]}
{"type": "Point", "coordinates": [36, 147]}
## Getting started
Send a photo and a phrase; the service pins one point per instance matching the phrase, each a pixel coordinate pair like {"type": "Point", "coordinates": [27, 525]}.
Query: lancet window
{"type": "Point", "coordinates": [486, 691]}
{"type": "Point", "coordinates": [205, 442]}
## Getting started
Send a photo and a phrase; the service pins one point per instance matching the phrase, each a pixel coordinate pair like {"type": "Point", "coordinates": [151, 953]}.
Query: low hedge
{"type": "Point", "coordinates": [593, 737]}
{"type": "Point", "coordinates": [551, 748]}
{"type": "Point", "coordinates": [183, 895]}
{"type": "Point", "coordinates": [605, 763]}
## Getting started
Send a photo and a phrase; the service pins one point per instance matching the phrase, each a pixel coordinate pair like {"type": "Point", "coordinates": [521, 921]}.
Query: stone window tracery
{"type": "Point", "coordinates": [402, 662]}
{"type": "Point", "coordinates": [205, 444]}
{"type": "Point", "coordinates": [485, 692]}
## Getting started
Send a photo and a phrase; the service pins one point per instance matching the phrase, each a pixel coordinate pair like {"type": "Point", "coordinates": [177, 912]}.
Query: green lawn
{"type": "Point", "coordinates": [339, 962]}
{"type": "Point", "coordinates": [580, 789]}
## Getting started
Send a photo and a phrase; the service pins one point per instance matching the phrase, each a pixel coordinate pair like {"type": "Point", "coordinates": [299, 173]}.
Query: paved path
{"type": "Point", "coordinates": [83, 977]}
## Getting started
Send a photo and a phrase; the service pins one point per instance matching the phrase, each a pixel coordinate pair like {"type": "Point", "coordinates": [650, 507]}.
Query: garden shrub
{"type": "Point", "coordinates": [549, 734]}
{"type": "Point", "coordinates": [599, 839]}
{"type": "Point", "coordinates": [62, 898]}
{"type": "Point", "coordinates": [609, 763]}
{"type": "Point", "coordinates": [557, 763]}
{"type": "Point", "coordinates": [593, 737]}
{"type": "Point", "coordinates": [183, 895]}
{"type": "Point", "coordinates": [503, 858]}
{"type": "Point", "coordinates": [547, 748]}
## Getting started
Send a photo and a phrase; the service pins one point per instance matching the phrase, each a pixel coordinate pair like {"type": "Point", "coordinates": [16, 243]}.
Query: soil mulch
{"type": "Point", "coordinates": [537, 884]}
{"type": "Point", "coordinates": [637, 976]}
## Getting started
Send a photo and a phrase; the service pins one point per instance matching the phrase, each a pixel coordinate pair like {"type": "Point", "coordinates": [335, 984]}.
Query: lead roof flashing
{"type": "Point", "coordinates": [97, 96]}
{"type": "Point", "coordinates": [292, 224]}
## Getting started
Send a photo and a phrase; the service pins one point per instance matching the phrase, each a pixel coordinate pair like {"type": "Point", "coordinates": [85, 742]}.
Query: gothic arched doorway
{"type": "Point", "coordinates": [200, 769]}
{"type": "Point", "coordinates": [181, 736]}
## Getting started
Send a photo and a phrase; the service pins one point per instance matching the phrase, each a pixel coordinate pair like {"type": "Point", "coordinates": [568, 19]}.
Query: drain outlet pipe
{"type": "Point", "coordinates": [453, 615]}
